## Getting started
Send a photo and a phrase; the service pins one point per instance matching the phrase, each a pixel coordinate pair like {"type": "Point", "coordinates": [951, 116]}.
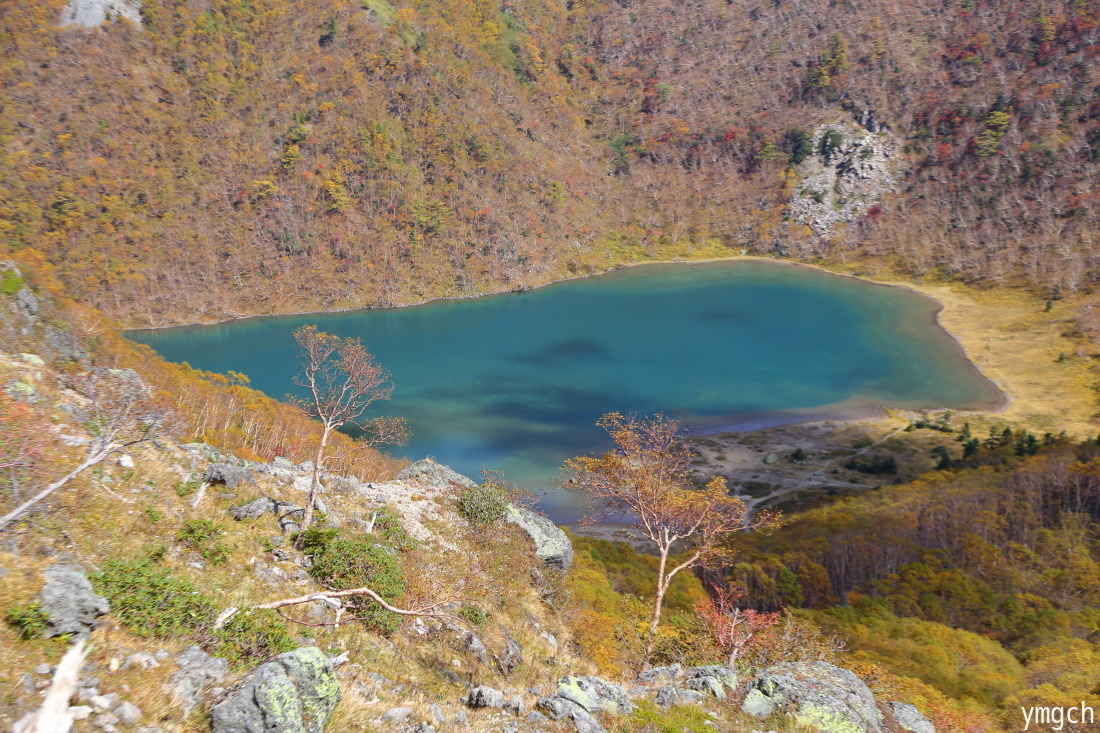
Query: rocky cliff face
{"type": "Point", "coordinates": [847, 170]}
{"type": "Point", "coordinates": [90, 13]}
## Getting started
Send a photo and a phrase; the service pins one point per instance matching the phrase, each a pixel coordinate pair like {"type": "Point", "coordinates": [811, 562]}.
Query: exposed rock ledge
{"type": "Point", "coordinates": [90, 13]}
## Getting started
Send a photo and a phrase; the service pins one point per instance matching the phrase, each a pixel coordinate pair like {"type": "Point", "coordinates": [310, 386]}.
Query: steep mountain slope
{"type": "Point", "coordinates": [249, 157]}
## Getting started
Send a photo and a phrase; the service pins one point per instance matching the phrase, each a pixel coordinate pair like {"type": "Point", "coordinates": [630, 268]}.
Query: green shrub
{"type": "Point", "coordinates": [483, 504]}
{"type": "Point", "coordinates": [28, 619]}
{"type": "Point", "coordinates": [201, 536]}
{"type": "Point", "coordinates": [250, 637]}
{"type": "Point", "coordinates": [186, 488]}
{"type": "Point", "coordinates": [474, 615]}
{"type": "Point", "coordinates": [149, 601]}
{"type": "Point", "coordinates": [153, 514]}
{"type": "Point", "coordinates": [10, 283]}
{"type": "Point", "coordinates": [388, 526]}
{"type": "Point", "coordinates": [343, 563]}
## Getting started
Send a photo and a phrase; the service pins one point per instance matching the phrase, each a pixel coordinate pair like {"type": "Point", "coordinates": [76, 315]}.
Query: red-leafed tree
{"type": "Point", "coordinates": [733, 629]}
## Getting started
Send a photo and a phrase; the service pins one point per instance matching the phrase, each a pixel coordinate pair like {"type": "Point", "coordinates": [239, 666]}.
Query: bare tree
{"type": "Point", "coordinates": [343, 380]}
{"type": "Point", "coordinates": [647, 480]}
{"type": "Point", "coordinates": [120, 411]}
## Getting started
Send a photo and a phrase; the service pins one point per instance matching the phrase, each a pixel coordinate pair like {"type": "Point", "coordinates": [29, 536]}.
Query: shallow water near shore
{"type": "Point", "coordinates": [516, 382]}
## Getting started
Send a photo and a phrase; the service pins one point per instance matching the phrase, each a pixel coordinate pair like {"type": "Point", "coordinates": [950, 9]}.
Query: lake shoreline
{"type": "Point", "coordinates": [937, 304]}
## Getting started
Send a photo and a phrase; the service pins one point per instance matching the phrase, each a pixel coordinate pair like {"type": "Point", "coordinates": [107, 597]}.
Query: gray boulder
{"type": "Point", "coordinates": [910, 718]}
{"type": "Point", "coordinates": [64, 346]}
{"type": "Point", "coordinates": [557, 708]}
{"type": "Point", "coordinates": [552, 546]}
{"type": "Point", "coordinates": [595, 695]}
{"type": "Point", "coordinates": [814, 694]}
{"type": "Point", "coordinates": [429, 473]}
{"type": "Point", "coordinates": [510, 656]}
{"type": "Point", "coordinates": [26, 300]}
{"type": "Point", "coordinates": [253, 509]}
{"type": "Point", "coordinates": [196, 670]}
{"type": "Point", "coordinates": [714, 679]}
{"type": "Point", "coordinates": [669, 695]}
{"type": "Point", "coordinates": [228, 474]}
{"type": "Point", "coordinates": [660, 675]}
{"type": "Point", "coordinates": [69, 602]}
{"type": "Point", "coordinates": [485, 697]}
{"type": "Point", "coordinates": [476, 648]}
{"type": "Point", "coordinates": [296, 693]}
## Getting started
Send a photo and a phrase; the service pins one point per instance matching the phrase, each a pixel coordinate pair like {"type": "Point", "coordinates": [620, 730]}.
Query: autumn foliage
{"type": "Point", "coordinates": [273, 156]}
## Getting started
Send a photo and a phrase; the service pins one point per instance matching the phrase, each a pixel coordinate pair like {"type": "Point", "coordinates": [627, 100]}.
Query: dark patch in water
{"type": "Point", "coordinates": [562, 351]}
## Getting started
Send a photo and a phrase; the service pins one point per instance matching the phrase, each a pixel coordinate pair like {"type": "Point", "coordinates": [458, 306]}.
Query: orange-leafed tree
{"type": "Point", "coordinates": [646, 480]}
{"type": "Point", "coordinates": [343, 380]}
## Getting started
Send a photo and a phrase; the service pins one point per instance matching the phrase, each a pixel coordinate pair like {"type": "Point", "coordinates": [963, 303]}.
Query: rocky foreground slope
{"type": "Point", "coordinates": [300, 689]}
{"type": "Point", "coordinates": [155, 562]}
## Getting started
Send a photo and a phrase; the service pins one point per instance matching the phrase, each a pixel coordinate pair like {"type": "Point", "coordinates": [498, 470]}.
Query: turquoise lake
{"type": "Point", "coordinates": [516, 382]}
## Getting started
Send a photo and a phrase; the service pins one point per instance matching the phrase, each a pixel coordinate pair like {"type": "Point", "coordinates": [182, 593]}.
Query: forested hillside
{"type": "Point", "coordinates": [252, 156]}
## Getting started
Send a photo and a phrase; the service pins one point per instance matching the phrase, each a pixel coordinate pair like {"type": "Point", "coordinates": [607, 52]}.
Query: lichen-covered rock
{"type": "Point", "coordinates": [910, 718]}
{"type": "Point", "coordinates": [660, 675]}
{"type": "Point", "coordinates": [552, 546]}
{"type": "Point", "coordinates": [815, 694]}
{"type": "Point", "coordinates": [69, 602]}
{"type": "Point", "coordinates": [594, 695]}
{"type": "Point", "coordinates": [713, 679]}
{"type": "Point", "coordinates": [228, 474]}
{"type": "Point", "coordinates": [296, 693]}
{"type": "Point", "coordinates": [669, 695]}
{"type": "Point", "coordinates": [429, 473]}
{"type": "Point", "coordinates": [558, 708]}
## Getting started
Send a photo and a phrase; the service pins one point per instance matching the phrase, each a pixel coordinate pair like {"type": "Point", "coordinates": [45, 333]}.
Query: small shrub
{"type": "Point", "coordinates": [153, 514]}
{"type": "Point", "coordinates": [186, 488]}
{"type": "Point", "coordinates": [343, 563]}
{"type": "Point", "coordinates": [388, 526]}
{"type": "Point", "coordinates": [474, 615]}
{"type": "Point", "coordinates": [251, 637]}
{"type": "Point", "coordinates": [28, 619]}
{"type": "Point", "coordinates": [10, 283]}
{"type": "Point", "coordinates": [200, 535]}
{"type": "Point", "coordinates": [484, 503]}
{"type": "Point", "coordinates": [149, 601]}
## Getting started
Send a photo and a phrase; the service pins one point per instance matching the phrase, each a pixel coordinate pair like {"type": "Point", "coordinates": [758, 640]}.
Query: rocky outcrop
{"type": "Point", "coordinates": [70, 604]}
{"type": "Point", "coordinates": [557, 708]}
{"type": "Point", "coordinates": [296, 693]}
{"type": "Point", "coordinates": [815, 694]}
{"type": "Point", "coordinates": [595, 695]}
{"type": "Point", "coordinates": [847, 170]}
{"type": "Point", "coordinates": [228, 474]}
{"type": "Point", "coordinates": [552, 546]}
{"type": "Point", "coordinates": [427, 472]}
{"type": "Point", "coordinates": [90, 13]}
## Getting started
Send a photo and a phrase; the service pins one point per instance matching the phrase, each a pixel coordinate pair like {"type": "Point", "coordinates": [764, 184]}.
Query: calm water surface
{"type": "Point", "coordinates": [516, 382]}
